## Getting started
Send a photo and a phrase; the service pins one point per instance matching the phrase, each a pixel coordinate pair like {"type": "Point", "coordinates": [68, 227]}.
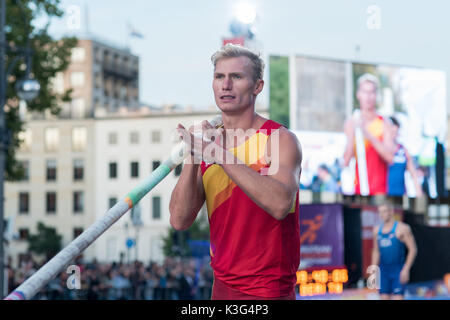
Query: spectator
{"type": "Point", "coordinates": [174, 279]}
{"type": "Point", "coordinates": [327, 182]}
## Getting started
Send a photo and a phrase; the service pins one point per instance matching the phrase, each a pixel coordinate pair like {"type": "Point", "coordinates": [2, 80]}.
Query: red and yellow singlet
{"type": "Point", "coordinates": [376, 166]}
{"type": "Point", "coordinates": [250, 250]}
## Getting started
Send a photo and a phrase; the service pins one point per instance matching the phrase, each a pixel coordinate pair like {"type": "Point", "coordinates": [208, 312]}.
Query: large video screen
{"type": "Point", "coordinates": [368, 129]}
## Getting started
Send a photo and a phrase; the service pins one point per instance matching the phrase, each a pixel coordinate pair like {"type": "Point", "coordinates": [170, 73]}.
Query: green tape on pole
{"type": "Point", "coordinates": [156, 177]}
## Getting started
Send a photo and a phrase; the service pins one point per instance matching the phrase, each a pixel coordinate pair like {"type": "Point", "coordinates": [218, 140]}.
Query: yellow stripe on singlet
{"type": "Point", "coordinates": [218, 186]}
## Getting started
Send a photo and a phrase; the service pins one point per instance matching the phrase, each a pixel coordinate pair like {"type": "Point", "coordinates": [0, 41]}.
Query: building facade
{"type": "Point", "coordinates": [58, 188]}
{"type": "Point", "coordinates": [78, 168]}
{"type": "Point", "coordinates": [127, 151]}
{"type": "Point", "coordinates": [103, 78]}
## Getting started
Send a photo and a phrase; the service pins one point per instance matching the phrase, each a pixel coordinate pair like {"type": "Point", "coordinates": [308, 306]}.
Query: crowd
{"type": "Point", "coordinates": [174, 279]}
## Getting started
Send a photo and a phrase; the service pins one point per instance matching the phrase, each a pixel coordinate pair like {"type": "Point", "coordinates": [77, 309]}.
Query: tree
{"type": "Point", "coordinates": [175, 243]}
{"type": "Point", "coordinates": [50, 56]}
{"type": "Point", "coordinates": [279, 89]}
{"type": "Point", "coordinates": [46, 242]}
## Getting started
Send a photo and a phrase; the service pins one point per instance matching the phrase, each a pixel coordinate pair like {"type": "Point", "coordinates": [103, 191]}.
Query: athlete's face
{"type": "Point", "coordinates": [367, 96]}
{"type": "Point", "coordinates": [386, 213]}
{"type": "Point", "coordinates": [233, 84]}
{"type": "Point", "coordinates": [394, 130]}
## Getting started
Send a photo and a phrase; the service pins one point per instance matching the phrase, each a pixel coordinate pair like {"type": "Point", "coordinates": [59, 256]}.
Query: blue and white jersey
{"type": "Point", "coordinates": [396, 173]}
{"type": "Point", "coordinates": [392, 250]}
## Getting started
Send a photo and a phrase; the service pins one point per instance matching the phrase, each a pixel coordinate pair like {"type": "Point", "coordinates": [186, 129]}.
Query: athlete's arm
{"type": "Point", "coordinates": [349, 152]}
{"type": "Point", "coordinates": [412, 170]}
{"type": "Point", "coordinates": [188, 196]}
{"type": "Point", "coordinates": [375, 250]}
{"type": "Point", "coordinates": [275, 193]}
{"type": "Point", "coordinates": [405, 235]}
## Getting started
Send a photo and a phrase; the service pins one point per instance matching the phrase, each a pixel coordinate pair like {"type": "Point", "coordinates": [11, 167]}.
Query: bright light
{"type": "Point", "coordinates": [245, 12]}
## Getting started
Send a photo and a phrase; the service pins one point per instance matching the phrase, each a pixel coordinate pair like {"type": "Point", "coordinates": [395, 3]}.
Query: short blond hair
{"type": "Point", "coordinates": [368, 77]}
{"type": "Point", "coordinates": [233, 51]}
{"type": "Point", "coordinates": [388, 206]}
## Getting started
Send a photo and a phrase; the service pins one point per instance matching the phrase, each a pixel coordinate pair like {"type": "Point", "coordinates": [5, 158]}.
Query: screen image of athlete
{"type": "Point", "coordinates": [250, 184]}
{"type": "Point", "coordinates": [379, 148]}
{"type": "Point", "coordinates": [401, 162]}
{"type": "Point", "coordinates": [392, 239]}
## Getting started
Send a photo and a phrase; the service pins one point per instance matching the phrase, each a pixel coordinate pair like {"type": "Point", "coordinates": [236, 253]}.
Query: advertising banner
{"type": "Point", "coordinates": [321, 236]}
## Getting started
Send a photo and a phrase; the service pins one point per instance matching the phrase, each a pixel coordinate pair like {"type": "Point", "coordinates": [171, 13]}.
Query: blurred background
{"type": "Point", "coordinates": [92, 94]}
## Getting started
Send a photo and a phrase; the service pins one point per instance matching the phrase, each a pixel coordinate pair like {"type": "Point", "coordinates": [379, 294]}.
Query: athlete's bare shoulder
{"type": "Point", "coordinates": [375, 230]}
{"type": "Point", "coordinates": [402, 229]}
{"type": "Point", "coordinates": [288, 139]}
{"type": "Point", "coordinates": [286, 144]}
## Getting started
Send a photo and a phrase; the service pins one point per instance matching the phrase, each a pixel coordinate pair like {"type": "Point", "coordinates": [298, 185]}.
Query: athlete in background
{"type": "Point", "coordinates": [253, 217]}
{"type": "Point", "coordinates": [401, 162]}
{"type": "Point", "coordinates": [378, 141]}
{"type": "Point", "coordinates": [391, 240]}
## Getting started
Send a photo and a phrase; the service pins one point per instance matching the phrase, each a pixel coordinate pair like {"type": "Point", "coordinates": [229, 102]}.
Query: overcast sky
{"type": "Point", "coordinates": [181, 35]}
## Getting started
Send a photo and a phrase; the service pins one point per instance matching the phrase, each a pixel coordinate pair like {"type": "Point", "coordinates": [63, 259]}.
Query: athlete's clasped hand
{"type": "Point", "coordinates": [205, 143]}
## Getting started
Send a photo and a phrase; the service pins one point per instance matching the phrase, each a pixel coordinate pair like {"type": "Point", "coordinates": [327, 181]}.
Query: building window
{"type": "Point", "coordinates": [51, 139]}
{"type": "Point", "coordinates": [155, 164]}
{"type": "Point", "coordinates": [178, 169]}
{"type": "Point", "coordinates": [25, 138]}
{"type": "Point", "coordinates": [97, 80]}
{"type": "Point", "coordinates": [77, 79]}
{"type": "Point", "coordinates": [66, 109]}
{"type": "Point", "coordinates": [78, 169]}
{"type": "Point", "coordinates": [79, 138]}
{"type": "Point", "coordinates": [78, 108]}
{"type": "Point", "coordinates": [77, 232]}
{"type": "Point", "coordinates": [134, 137]}
{"type": "Point", "coordinates": [112, 202]}
{"type": "Point", "coordinates": [98, 54]}
{"type": "Point", "coordinates": [96, 103]}
{"type": "Point", "coordinates": [24, 202]}
{"type": "Point", "coordinates": [51, 202]}
{"type": "Point", "coordinates": [51, 170]}
{"type": "Point", "coordinates": [112, 138]}
{"type": "Point", "coordinates": [25, 165]}
{"type": "Point", "coordinates": [23, 234]}
{"type": "Point", "coordinates": [113, 170]}
{"type": "Point", "coordinates": [123, 93]}
{"type": "Point", "coordinates": [156, 136]}
{"type": "Point", "coordinates": [134, 169]}
{"type": "Point", "coordinates": [78, 201]}
{"type": "Point", "coordinates": [156, 207]}
{"type": "Point", "coordinates": [58, 83]}
{"type": "Point", "coordinates": [78, 54]}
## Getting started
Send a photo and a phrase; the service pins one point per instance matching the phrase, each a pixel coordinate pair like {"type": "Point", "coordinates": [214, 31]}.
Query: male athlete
{"type": "Point", "coordinates": [250, 184]}
{"type": "Point", "coordinates": [391, 240]}
{"type": "Point", "coordinates": [402, 161]}
{"type": "Point", "coordinates": [379, 147]}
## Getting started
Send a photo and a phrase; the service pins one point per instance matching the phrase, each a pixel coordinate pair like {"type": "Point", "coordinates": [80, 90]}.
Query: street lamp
{"type": "Point", "coordinates": [243, 23]}
{"type": "Point", "coordinates": [245, 13]}
{"type": "Point", "coordinates": [27, 90]}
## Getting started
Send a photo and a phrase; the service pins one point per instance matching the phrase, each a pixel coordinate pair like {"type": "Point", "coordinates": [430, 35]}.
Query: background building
{"type": "Point", "coordinates": [128, 149]}
{"type": "Point", "coordinates": [58, 151]}
{"type": "Point", "coordinates": [104, 77]}
{"type": "Point", "coordinates": [58, 187]}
